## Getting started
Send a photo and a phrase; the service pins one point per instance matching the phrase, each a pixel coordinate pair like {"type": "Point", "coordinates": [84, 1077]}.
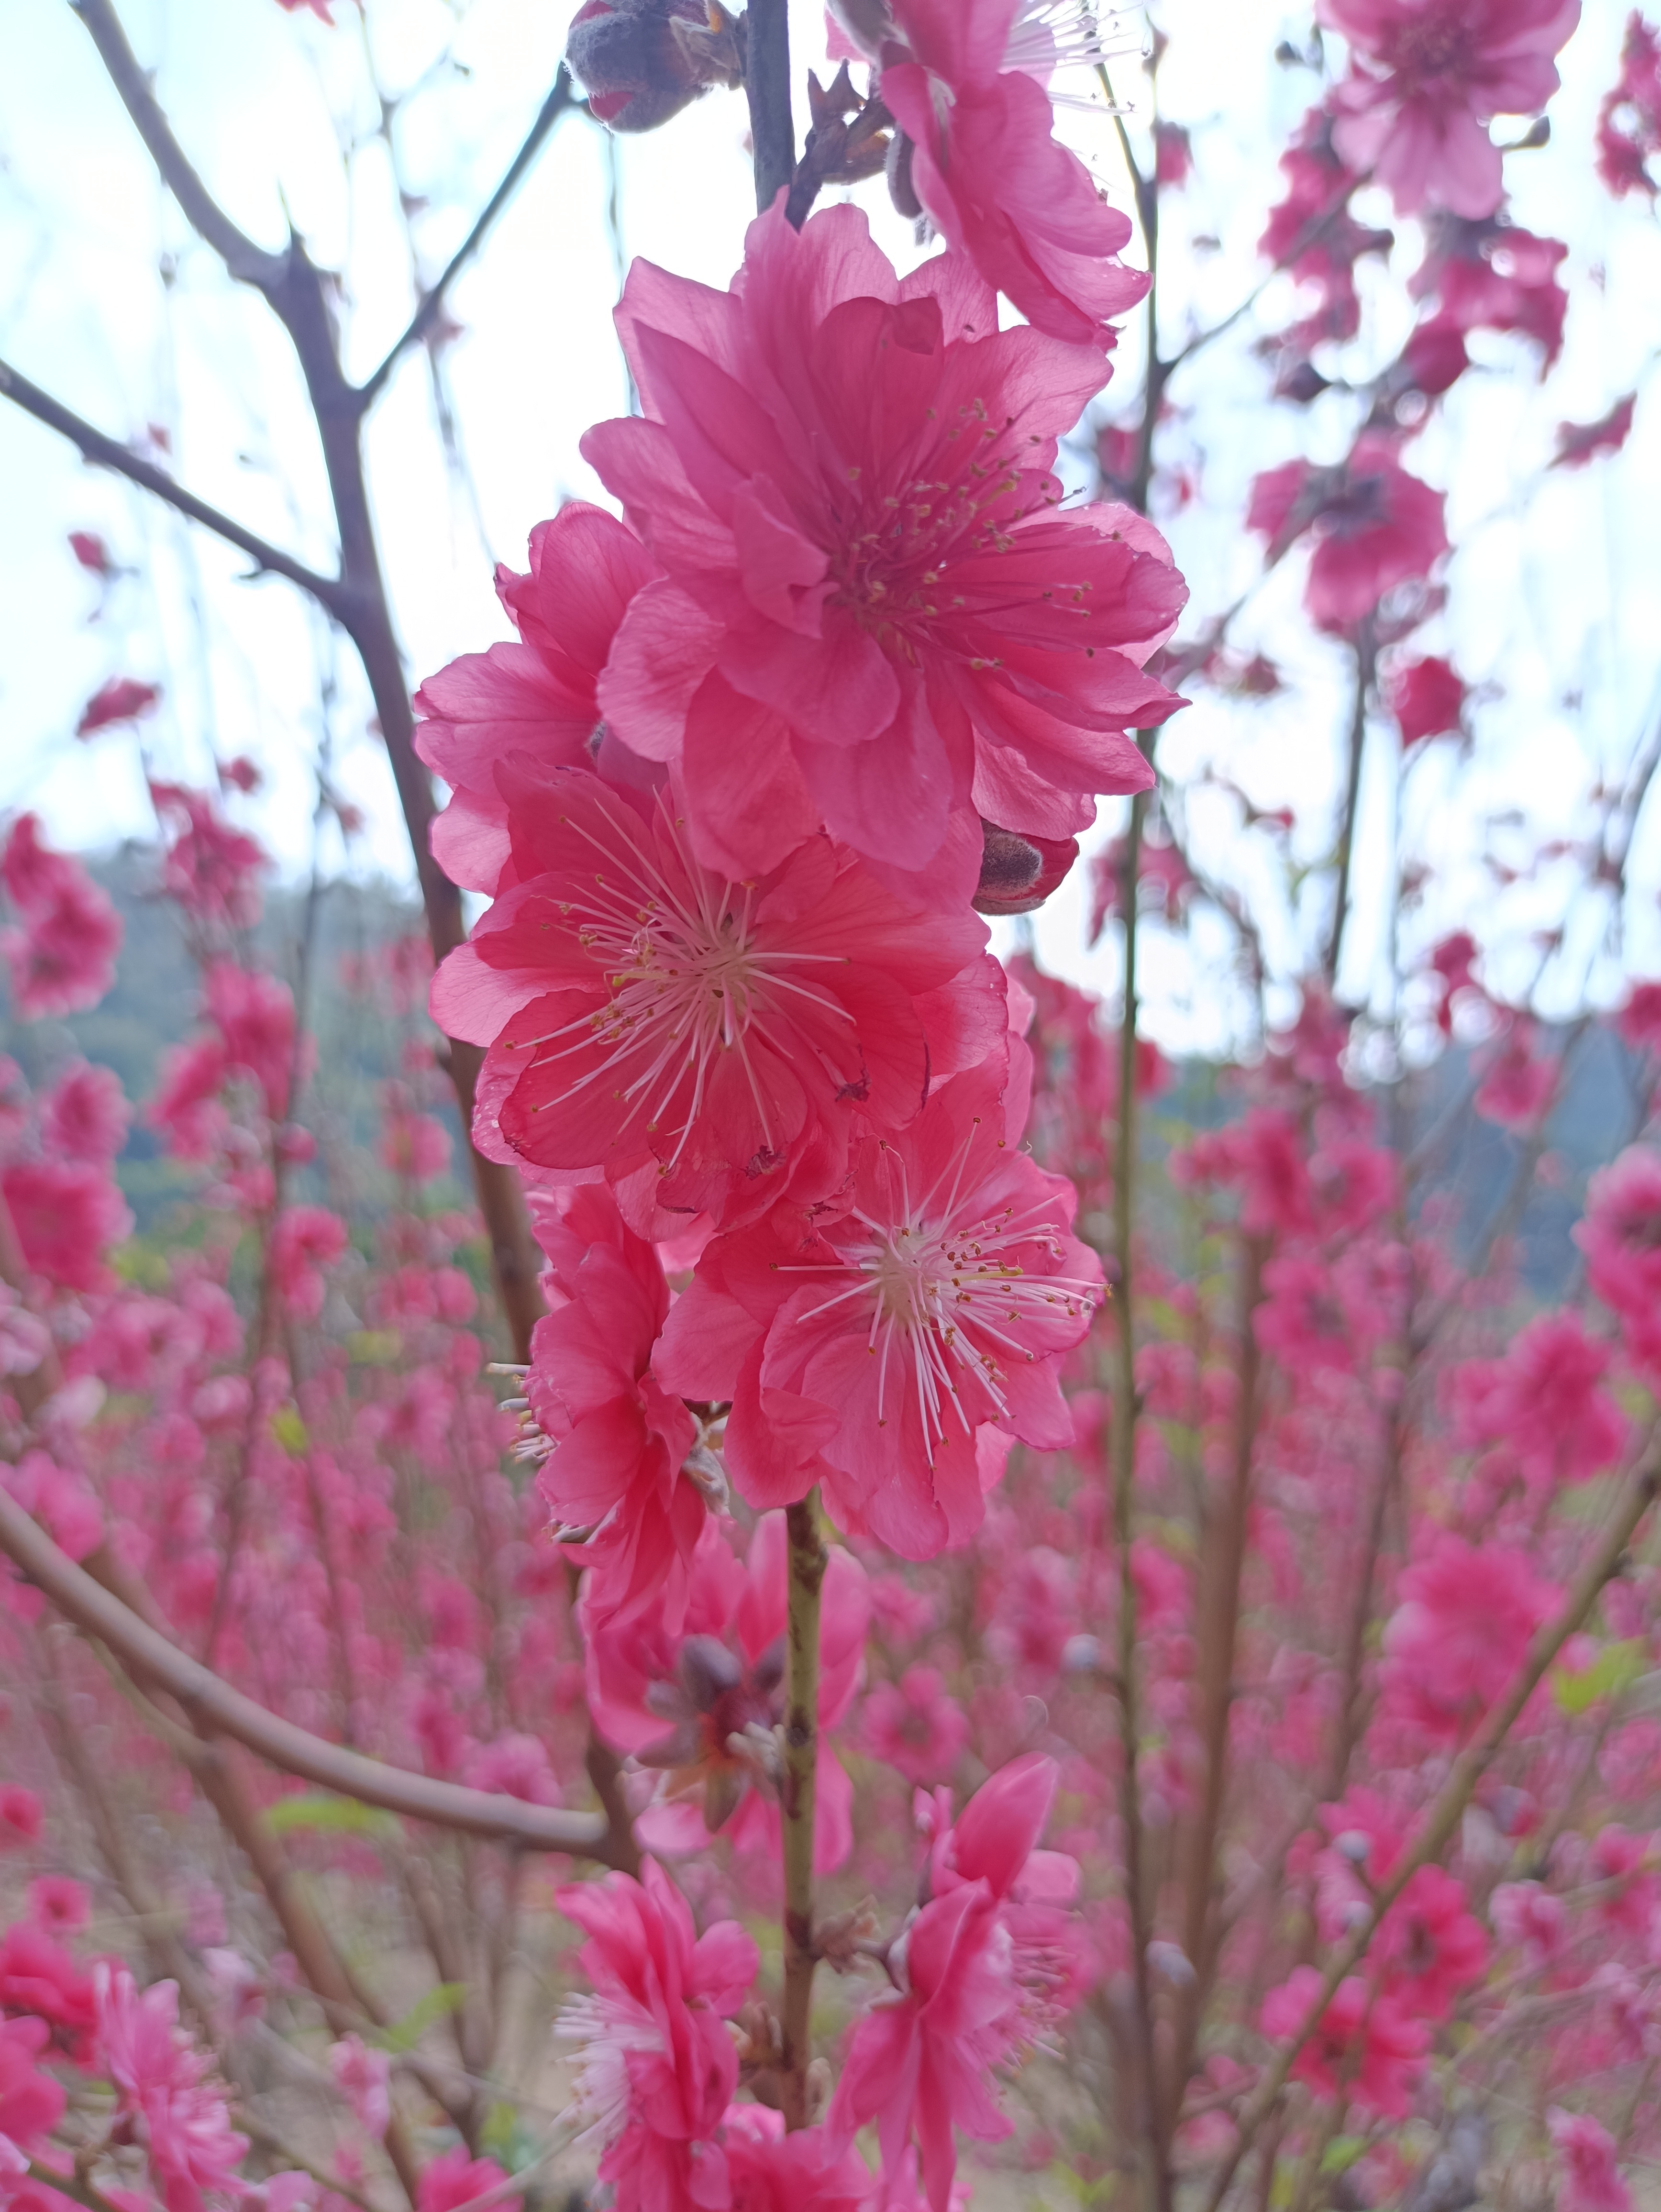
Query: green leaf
{"type": "Point", "coordinates": [1342, 2153]}
{"type": "Point", "coordinates": [290, 1430]}
{"type": "Point", "coordinates": [1616, 1667]}
{"type": "Point", "coordinates": [404, 2034]}
{"type": "Point", "coordinates": [326, 1815]}
{"type": "Point", "coordinates": [374, 1347]}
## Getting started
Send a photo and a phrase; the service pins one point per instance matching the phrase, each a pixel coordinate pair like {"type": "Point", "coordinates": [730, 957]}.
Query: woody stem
{"type": "Point", "coordinates": [801, 1750]}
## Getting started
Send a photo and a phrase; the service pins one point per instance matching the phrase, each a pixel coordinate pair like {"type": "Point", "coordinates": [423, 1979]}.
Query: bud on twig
{"type": "Point", "coordinates": [642, 61]}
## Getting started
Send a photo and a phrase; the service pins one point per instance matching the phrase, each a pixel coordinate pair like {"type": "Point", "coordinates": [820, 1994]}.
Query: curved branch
{"type": "Point", "coordinates": [210, 1700]}
{"type": "Point", "coordinates": [108, 453]}
{"type": "Point", "coordinates": [558, 101]}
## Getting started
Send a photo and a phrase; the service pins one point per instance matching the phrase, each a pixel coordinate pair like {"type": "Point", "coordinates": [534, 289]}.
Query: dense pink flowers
{"type": "Point", "coordinates": [769, 2171]}
{"type": "Point", "coordinates": [31, 2102]}
{"type": "Point", "coordinates": [62, 955]}
{"type": "Point", "coordinates": [866, 1349]}
{"type": "Point", "coordinates": [1620, 1238]}
{"type": "Point", "coordinates": [702, 1040]}
{"type": "Point", "coordinates": [1459, 1634]}
{"type": "Point", "coordinates": [1629, 118]}
{"type": "Point", "coordinates": [1586, 2152]}
{"type": "Point", "coordinates": [914, 1727]}
{"type": "Point", "coordinates": [965, 80]}
{"type": "Point", "coordinates": [163, 2086]}
{"type": "Point", "coordinates": [871, 618]}
{"type": "Point", "coordinates": [656, 2066]}
{"type": "Point", "coordinates": [1427, 77]}
{"type": "Point", "coordinates": [66, 1215]}
{"type": "Point", "coordinates": [1364, 2045]}
{"type": "Point", "coordinates": [1431, 1946]}
{"type": "Point", "coordinates": [1545, 1401]}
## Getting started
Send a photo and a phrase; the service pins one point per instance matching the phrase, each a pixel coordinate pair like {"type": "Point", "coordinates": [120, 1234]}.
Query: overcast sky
{"type": "Point", "coordinates": [106, 300]}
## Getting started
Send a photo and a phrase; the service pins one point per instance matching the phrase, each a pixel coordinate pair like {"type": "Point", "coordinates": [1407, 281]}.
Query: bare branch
{"type": "Point", "coordinates": [251, 263]}
{"type": "Point", "coordinates": [560, 99]}
{"type": "Point", "coordinates": [108, 453]}
{"type": "Point", "coordinates": [219, 1709]}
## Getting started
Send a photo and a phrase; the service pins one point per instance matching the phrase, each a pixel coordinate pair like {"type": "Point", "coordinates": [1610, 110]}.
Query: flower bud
{"type": "Point", "coordinates": [1019, 872]}
{"type": "Point", "coordinates": [642, 61]}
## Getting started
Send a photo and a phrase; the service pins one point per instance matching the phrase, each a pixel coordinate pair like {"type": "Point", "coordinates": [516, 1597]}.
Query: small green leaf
{"type": "Point", "coordinates": [290, 1430]}
{"type": "Point", "coordinates": [1616, 1667]}
{"type": "Point", "coordinates": [404, 2034]}
{"type": "Point", "coordinates": [326, 1815]}
{"type": "Point", "coordinates": [374, 1347]}
{"type": "Point", "coordinates": [1342, 2153]}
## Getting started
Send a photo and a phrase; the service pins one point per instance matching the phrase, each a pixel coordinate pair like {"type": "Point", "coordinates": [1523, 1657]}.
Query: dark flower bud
{"type": "Point", "coordinates": [1018, 871]}
{"type": "Point", "coordinates": [642, 61]}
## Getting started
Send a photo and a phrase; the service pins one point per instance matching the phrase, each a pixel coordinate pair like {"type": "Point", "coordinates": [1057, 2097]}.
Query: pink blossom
{"type": "Point", "coordinates": [163, 2084]}
{"type": "Point", "coordinates": [66, 1218]}
{"type": "Point", "coordinates": [363, 2078]}
{"type": "Point", "coordinates": [996, 1840]}
{"type": "Point", "coordinates": [414, 1146]}
{"type": "Point", "coordinates": [1586, 2152]}
{"type": "Point", "coordinates": [63, 1502]}
{"type": "Point", "coordinates": [31, 2102]}
{"type": "Point", "coordinates": [1426, 698]}
{"type": "Point", "coordinates": [454, 2179]}
{"type": "Point", "coordinates": [1428, 77]}
{"type": "Point", "coordinates": [873, 617]}
{"type": "Point", "coordinates": [19, 1817]}
{"type": "Point", "coordinates": [39, 1977]}
{"type": "Point", "coordinates": [1620, 1238]}
{"type": "Point", "coordinates": [1431, 1946]}
{"type": "Point", "coordinates": [307, 1240]}
{"type": "Point", "coordinates": [1375, 525]}
{"type": "Point", "coordinates": [59, 1903]}
{"type": "Point", "coordinates": [769, 2171]}
{"type": "Point", "coordinates": [1313, 233]}
{"type": "Point", "coordinates": [1545, 1401]}
{"type": "Point", "coordinates": [534, 701]}
{"type": "Point", "coordinates": [1638, 1022]}
{"type": "Point", "coordinates": [1629, 117]}
{"type": "Point", "coordinates": [254, 1015]}
{"type": "Point", "coordinates": [25, 1340]}
{"type": "Point", "coordinates": [321, 9]}
{"type": "Point", "coordinates": [921, 2059]}
{"type": "Point", "coordinates": [965, 80]}
{"type": "Point", "coordinates": [515, 1765]}
{"type": "Point", "coordinates": [208, 867]}
{"type": "Point", "coordinates": [93, 554]}
{"type": "Point", "coordinates": [1527, 1918]}
{"type": "Point", "coordinates": [656, 2067]}
{"type": "Point", "coordinates": [1364, 2046]}
{"type": "Point", "coordinates": [912, 1726]}
{"type": "Point", "coordinates": [123, 699]}
{"type": "Point", "coordinates": [865, 1350]}
{"type": "Point", "coordinates": [84, 1116]}
{"type": "Point", "coordinates": [1494, 275]}
{"type": "Point", "coordinates": [1517, 1086]}
{"type": "Point", "coordinates": [186, 1106]}
{"type": "Point", "coordinates": [613, 1477]}
{"type": "Point", "coordinates": [1459, 1634]}
{"type": "Point", "coordinates": [705, 1041]}
{"type": "Point", "coordinates": [679, 1700]}
{"type": "Point", "coordinates": [1578, 443]}
{"type": "Point", "coordinates": [63, 958]}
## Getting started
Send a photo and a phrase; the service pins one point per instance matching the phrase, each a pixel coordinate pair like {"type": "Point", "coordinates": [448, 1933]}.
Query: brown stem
{"type": "Point", "coordinates": [767, 87]}
{"type": "Point", "coordinates": [218, 1709]}
{"type": "Point", "coordinates": [1467, 1771]}
{"type": "Point", "coordinates": [801, 1745]}
{"type": "Point", "coordinates": [1366, 657]}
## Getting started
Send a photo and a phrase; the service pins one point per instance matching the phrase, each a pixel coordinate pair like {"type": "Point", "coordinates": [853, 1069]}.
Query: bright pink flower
{"type": "Point", "coordinates": [19, 1817]}
{"type": "Point", "coordinates": [1363, 2046]}
{"type": "Point", "coordinates": [1620, 1238]}
{"type": "Point", "coordinates": [38, 1978]}
{"type": "Point", "coordinates": [209, 868]}
{"type": "Point", "coordinates": [454, 2179]}
{"type": "Point", "coordinates": [965, 80]}
{"type": "Point", "coordinates": [1426, 698]}
{"type": "Point", "coordinates": [31, 2102]}
{"type": "Point", "coordinates": [656, 2068]}
{"type": "Point", "coordinates": [515, 1765]}
{"type": "Point", "coordinates": [363, 2078]}
{"type": "Point", "coordinates": [186, 1106]}
{"type": "Point", "coordinates": [61, 1499]}
{"type": "Point", "coordinates": [1312, 232]}
{"type": "Point", "coordinates": [24, 1339]}
{"type": "Point", "coordinates": [705, 1041]}
{"type": "Point", "coordinates": [63, 958]}
{"type": "Point", "coordinates": [1618, 1856]}
{"type": "Point", "coordinates": [1458, 1636]}
{"type": "Point", "coordinates": [873, 617]}
{"type": "Point", "coordinates": [163, 2086]}
{"type": "Point", "coordinates": [123, 699]}
{"type": "Point", "coordinates": [414, 1146]}
{"type": "Point", "coordinates": [1638, 1022]}
{"type": "Point", "coordinates": [90, 550]}
{"type": "Point", "coordinates": [1629, 118]}
{"type": "Point", "coordinates": [1528, 1917]}
{"type": "Point", "coordinates": [85, 1115]}
{"type": "Point", "coordinates": [613, 1476]}
{"type": "Point", "coordinates": [254, 1015]}
{"type": "Point", "coordinates": [1494, 275]}
{"type": "Point", "coordinates": [1545, 1401]}
{"type": "Point", "coordinates": [1586, 2152]}
{"type": "Point", "coordinates": [678, 1700]}
{"type": "Point", "coordinates": [1431, 1946]}
{"type": "Point", "coordinates": [1375, 525]}
{"type": "Point", "coordinates": [535, 701]}
{"type": "Point", "coordinates": [1428, 77]}
{"type": "Point", "coordinates": [769, 2171]}
{"type": "Point", "coordinates": [59, 1903]}
{"type": "Point", "coordinates": [865, 1351]}
{"type": "Point", "coordinates": [307, 1240]}
{"type": "Point", "coordinates": [912, 1726]}
{"type": "Point", "coordinates": [921, 2060]}
{"type": "Point", "coordinates": [996, 1840]}
{"type": "Point", "coordinates": [66, 1218]}
{"type": "Point", "coordinates": [1518, 1085]}
{"type": "Point", "coordinates": [1578, 443]}
{"type": "Point", "coordinates": [1313, 1316]}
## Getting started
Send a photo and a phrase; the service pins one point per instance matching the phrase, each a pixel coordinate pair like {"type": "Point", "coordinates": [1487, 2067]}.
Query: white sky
{"type": "Point", "coordinates": [106, 300]}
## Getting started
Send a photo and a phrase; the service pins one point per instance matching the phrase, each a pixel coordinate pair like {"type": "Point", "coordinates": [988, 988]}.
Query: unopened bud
{"type": "Point", "coordinates": [1018, 871]}
{"type": "Point", "coordinates": [642, 61]}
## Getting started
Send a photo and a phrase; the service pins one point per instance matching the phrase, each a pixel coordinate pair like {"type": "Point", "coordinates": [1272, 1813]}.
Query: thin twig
{"type": "Point", "coordinates": [798, 1797]}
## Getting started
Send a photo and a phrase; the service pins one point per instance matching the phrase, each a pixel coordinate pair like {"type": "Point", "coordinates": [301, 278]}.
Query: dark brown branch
{"type": "Point", "coordinates": [420, 324]}
{"type": "Point", "coordinates": [109, 453]}
{"type": "Point", "coordinates": [216, 1708]}
{"type": "Point", "coordinates": [767, 85]}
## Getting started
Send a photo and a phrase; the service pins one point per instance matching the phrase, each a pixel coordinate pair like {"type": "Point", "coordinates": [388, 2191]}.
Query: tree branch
{"type": "Point", "coordinates": [216, 1708]}
{"type": "Point", "coordinates": [108, 453]}
{"type": "Point", "coordinates": [767, 87]}
{"type": "Point", "coordinates": [560, 99]}
{"type": "Point", "coordinates": [798, 1796]}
